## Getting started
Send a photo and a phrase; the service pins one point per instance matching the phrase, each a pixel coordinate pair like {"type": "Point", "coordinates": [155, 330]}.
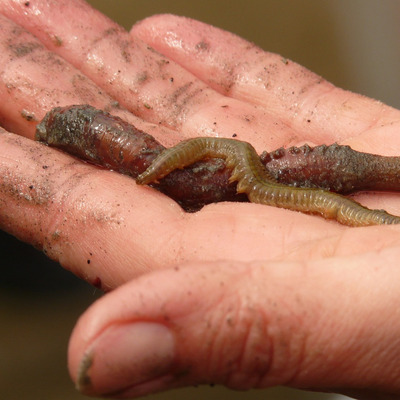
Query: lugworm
{"type": "Point", "coordinates": [260, 187]}
{"type": "Point", "coordinates": [336, 168]}
{"type": "Point", "coordinates": [106, 140]}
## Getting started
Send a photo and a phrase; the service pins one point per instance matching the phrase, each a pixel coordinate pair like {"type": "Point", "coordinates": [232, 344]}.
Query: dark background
{"type": "Point", "coordinates": [354, 44]}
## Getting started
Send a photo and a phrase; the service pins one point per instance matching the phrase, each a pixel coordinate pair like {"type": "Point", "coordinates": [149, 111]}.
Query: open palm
{"type": "Point", "coordinates": [239, 294]}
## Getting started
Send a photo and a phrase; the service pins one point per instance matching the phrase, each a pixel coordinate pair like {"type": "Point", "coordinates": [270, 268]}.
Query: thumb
{"type": "Point", "coordinates": [243, 326]}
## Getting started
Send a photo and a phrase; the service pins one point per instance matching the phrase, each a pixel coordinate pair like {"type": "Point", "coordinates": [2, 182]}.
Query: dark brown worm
{"type": "Point", "coordinates": [107, 140]}
{"type": "Point", "coordinates": [336, 168]}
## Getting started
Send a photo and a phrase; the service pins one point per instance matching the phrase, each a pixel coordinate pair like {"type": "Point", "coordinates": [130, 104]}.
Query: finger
{"type": "Point", "coordinates": [34, 80]}
{"type": "Point", "coordinates": [145, 82]}
{"type": "Point", "coordinates": [364, 124]}
{"type": "Point", "coordinates": [239, 69]}
{"type": "Point", "coordinates": [306, 325]}
{"type": "Point", "coordinates": [106, 229]}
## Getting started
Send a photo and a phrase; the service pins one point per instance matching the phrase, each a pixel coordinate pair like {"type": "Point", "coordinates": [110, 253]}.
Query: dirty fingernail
{"type": "Point", "coordinates": [124, 356]}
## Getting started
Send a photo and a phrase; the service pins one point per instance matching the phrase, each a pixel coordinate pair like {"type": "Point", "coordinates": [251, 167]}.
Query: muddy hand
{"type": "Point", "coordinates": [238, 294]}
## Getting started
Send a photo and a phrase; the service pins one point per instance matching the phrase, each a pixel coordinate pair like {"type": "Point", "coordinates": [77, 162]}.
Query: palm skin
{"type": "Point", "coordinates": [238, 294]}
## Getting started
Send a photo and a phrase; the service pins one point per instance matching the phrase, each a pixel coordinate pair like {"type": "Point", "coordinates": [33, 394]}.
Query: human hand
{"type": "Point", "coordinates": [239, 294]}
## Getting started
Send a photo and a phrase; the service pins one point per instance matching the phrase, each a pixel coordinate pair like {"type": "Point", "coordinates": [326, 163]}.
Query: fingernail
{"type": "Point", "coordinates": [124, 356]}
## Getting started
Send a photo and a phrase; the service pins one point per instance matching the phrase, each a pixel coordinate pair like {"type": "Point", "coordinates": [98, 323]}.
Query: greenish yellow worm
{"type": "Point", "coordinates": [260, 187]}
